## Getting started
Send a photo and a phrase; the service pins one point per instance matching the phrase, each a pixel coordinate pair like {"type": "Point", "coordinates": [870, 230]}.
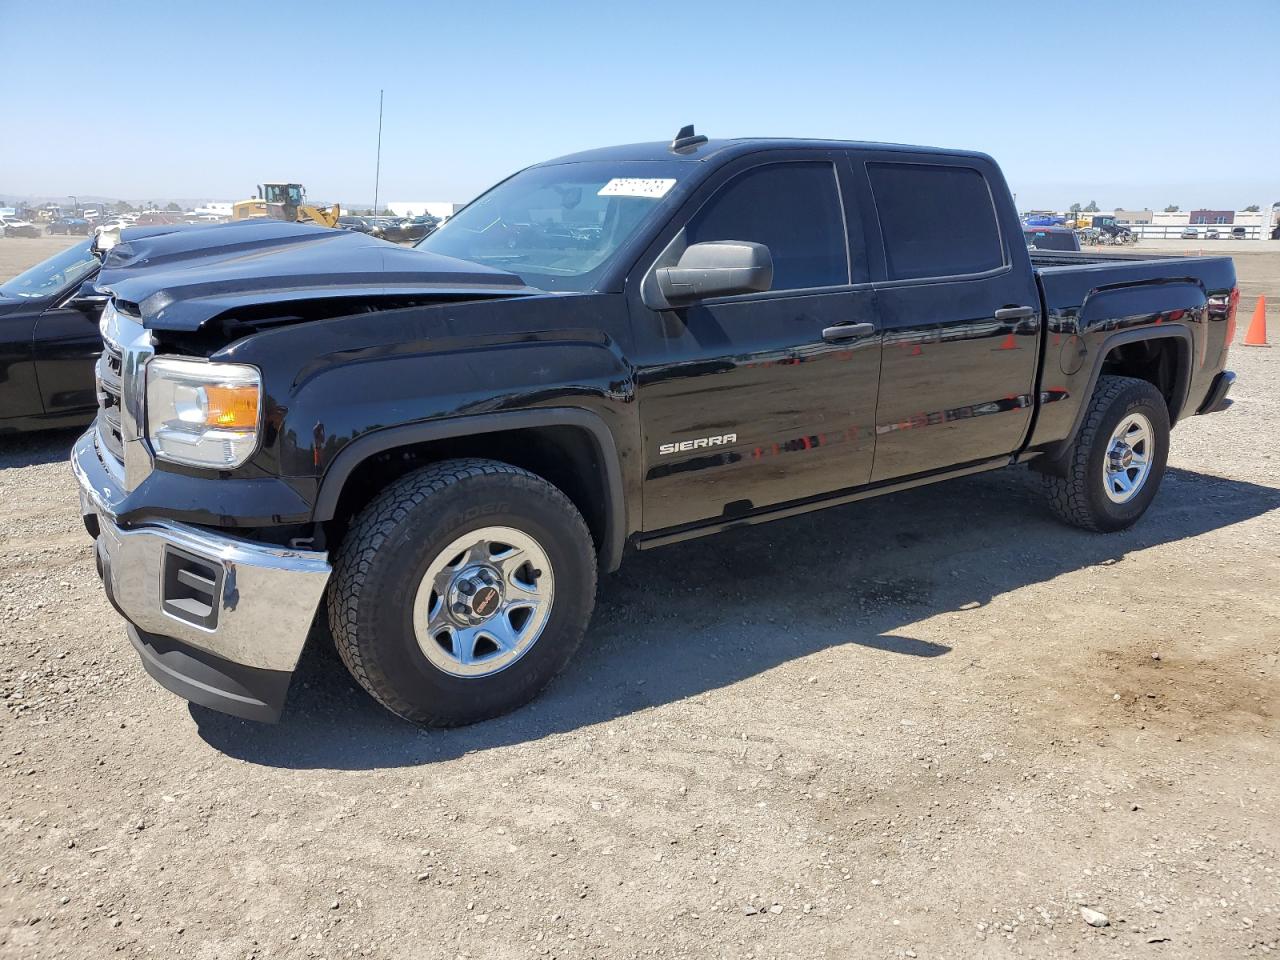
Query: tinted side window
{"type": "Point", "coordinates": [937, 221]}
{"type": "Point", "coordinates": [794, 210]}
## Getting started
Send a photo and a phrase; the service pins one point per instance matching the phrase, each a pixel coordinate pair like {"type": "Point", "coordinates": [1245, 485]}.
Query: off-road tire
{"type": "Point", "coordinates": [386, 552]}
{"type": "Point", "coordinates": [1079, 497]}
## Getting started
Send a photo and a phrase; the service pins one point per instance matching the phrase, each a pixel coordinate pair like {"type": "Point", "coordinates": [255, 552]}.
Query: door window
{"type": "Point", "coordinates": [936, 220]}
{"type": "Point", "coordinates": [794, 210]}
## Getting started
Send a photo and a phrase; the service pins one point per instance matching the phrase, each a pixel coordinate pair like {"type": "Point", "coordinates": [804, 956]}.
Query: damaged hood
{"type": "Point", "coordinates": [179, 279]}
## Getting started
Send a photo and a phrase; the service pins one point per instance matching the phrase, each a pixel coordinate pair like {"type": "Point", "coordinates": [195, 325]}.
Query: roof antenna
{"type": "Point", "coordinates": [686, 140]}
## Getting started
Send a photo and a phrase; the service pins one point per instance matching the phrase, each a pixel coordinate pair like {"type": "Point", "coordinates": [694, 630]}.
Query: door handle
{"type": "Point", "coordinates": [848, 331]}
{"type": "Point", "coordinates": [1015, 313]}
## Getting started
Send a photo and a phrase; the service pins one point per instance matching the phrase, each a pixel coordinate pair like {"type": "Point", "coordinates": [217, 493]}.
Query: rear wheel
{"type": "Point", "coordinates": [1114, 468]}
{"type": "Point", "coordinates": [461, 591]}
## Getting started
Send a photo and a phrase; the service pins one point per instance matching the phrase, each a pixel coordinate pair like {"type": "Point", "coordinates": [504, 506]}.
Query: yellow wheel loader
{"type": "Point", "coordinates": [284, 201]}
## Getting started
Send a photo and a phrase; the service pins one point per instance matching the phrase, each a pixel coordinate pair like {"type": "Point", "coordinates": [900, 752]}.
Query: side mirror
{"type": "Point", "coordinates": [719, 268]}
{"type": "Point", "coordinates": [88, 299]}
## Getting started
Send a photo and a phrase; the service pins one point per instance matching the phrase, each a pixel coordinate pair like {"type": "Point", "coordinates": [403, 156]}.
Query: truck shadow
{"type": "Point", "coordinates": [33, 449]}
{"type": "Point", "coordinates": [682, 620]}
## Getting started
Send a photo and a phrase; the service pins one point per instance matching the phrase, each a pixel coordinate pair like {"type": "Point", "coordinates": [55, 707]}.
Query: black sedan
{"type": "Point", "coordinates": [69, 226]}
{"type": "Point", "coordinates": [409, 229]}
{"type": "Point", "coordinates": [49, 343]}
{"type": "Point", "coordinates": [360, 225]}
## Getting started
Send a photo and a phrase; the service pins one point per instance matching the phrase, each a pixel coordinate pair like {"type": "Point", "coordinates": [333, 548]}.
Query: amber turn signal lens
{"type": "Point", "coordinates": [231, 408]}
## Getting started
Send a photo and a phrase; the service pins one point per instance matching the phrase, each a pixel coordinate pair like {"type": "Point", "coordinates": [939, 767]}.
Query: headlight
{"type": "Point", "coordinates": [203, 414]}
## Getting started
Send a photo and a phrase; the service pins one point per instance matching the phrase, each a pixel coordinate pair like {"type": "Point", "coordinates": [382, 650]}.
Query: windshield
{"type": "Point", "coordinates": [60, 271]}
{"type": "Point", "coordinates": [558, 226]}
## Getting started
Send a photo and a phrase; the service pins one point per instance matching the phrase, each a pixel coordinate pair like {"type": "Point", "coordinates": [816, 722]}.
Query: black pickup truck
{"type": "Point", "coordinates": [432, 451]}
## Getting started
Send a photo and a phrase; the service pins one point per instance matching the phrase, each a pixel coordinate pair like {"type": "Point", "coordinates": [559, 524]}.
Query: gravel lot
{"type": "Point", "coordinates": [934, 725]}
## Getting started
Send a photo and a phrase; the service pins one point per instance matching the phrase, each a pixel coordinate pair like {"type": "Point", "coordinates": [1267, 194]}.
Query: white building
{"type": "Point", "coordinates": [1168, 226]}
{"type": "Point", "coordinates": [416, 208]}
{"type": "Point", "coordinates": [214, 208]}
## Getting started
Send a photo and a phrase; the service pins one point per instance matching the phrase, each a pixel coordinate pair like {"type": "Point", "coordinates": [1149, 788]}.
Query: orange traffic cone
{"type": "Point", "coordinates": [1009, 343]}
{"type": "Point", "coordinates": [1257, 333]}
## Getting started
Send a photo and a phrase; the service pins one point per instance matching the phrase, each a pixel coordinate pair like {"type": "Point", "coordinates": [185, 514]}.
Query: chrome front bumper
{"type": "Point", "coordinates": [217, 619]}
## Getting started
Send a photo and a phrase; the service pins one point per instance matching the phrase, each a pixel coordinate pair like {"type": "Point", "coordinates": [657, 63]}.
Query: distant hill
{"type": "Point", "coordinates": [187, 203]}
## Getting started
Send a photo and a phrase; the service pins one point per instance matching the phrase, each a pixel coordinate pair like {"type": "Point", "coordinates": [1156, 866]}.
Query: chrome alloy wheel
{"type": "Point", "coordinates": [483, 602]}
{"type": "Point", "coordinates": [1129, 454]}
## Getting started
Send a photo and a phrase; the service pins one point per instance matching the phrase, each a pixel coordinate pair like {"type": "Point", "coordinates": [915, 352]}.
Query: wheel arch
{"type": "Point", "coordinates": [1113, 350]}
{"type": "Point", "coordinates": [594, 483]}
{"type": "Point", "coordinates": [1161, 356]}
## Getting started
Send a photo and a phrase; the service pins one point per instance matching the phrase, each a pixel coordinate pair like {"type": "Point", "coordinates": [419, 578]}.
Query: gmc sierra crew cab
{"type": "Point", "coordinates": [430, 452]}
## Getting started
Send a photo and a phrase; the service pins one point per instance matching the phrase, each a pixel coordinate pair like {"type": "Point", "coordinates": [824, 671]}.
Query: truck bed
{"type": "Point", "coordinates": [1094, 303]}
{"type": "Point", "coordinates": [1068, 278]}
{"type": "Point", "coordinates": [1070, 258]}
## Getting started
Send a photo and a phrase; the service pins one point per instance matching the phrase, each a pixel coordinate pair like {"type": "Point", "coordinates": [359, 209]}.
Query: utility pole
{"type": "Point", "coordinates": [377, 174]}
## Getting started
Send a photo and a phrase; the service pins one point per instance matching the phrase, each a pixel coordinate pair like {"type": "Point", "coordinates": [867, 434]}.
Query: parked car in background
{"type": "Point", "coordinates": [355, 223]}
{"type": "Point", "coordinates": [1190, 233]}
{"type": "Point", "coordinates": [1051, 238]}
{"type": "Point", "coordinates": [49, 343]}
{"type": "Point", "coordinates": [13, 227]}
{"type": "Point", "coordinates": [415, 228]}
{"type": "Point", "coordinates": [1213, 233]}
{"type": "Point", "coordinates": [1110, 230]}
{"type": "Point", "coordinates": [406, 229]}
{"type": "Point", "coordinates": [1239, 233]}
{"type": "Point", "coordinates": [360, 225]}
{"type": "Point", "coordinates": [69, 226]}
{"type": "Point", "coordinates": [388, 228]}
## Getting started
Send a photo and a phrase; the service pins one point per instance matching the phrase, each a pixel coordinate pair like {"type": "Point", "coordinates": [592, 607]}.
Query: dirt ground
{"type": "Point", "coordinates": [932, 725]}
{"type": "Point", "coordinates": [18, 253]}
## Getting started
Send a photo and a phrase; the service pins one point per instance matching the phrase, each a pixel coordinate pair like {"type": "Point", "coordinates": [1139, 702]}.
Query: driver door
{"type": "Point", "coordinates": [752, 401]}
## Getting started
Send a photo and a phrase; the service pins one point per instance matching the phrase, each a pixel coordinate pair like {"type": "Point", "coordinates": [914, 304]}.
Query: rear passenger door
{"type": "Point", "coordinates": [959, 308]}
{"type": "Point", "coordinates": [751, 401]}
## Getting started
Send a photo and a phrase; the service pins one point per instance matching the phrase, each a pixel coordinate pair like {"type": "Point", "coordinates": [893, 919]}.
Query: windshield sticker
{"type": "Point", "coordinates": [636, 187]}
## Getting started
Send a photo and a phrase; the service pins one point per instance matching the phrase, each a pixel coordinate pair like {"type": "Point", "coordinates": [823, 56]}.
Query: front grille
{"type": "Point", "coordinates": [110, 388]}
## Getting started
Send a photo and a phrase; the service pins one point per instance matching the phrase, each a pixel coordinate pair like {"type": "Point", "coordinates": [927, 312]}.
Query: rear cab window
{"type": "Point", "coordinates": [794, 209]}
{"type": "Point", "coordinates": [936, 220]}
{"type": "Point", "coordinates": [1051, 239]}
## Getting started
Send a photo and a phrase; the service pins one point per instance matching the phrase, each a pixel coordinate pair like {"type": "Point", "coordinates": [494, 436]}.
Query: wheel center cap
{"type": "Point", "coordinates": [1121, 457]}
{"type": "Point", "coordinates": [485, 601]}
{"type": "Point", "coordinates": [475, 596]}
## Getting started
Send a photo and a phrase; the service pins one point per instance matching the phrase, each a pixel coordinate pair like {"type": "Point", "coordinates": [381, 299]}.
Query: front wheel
{"type": "Point", "coordinates": [461, 591]}
{"type": "Point", "coordinates": [1114, 467]}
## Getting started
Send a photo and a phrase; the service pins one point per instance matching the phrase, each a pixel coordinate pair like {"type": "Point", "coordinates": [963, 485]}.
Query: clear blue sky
{"type": "Point", "coordinates": [1105, 100]}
